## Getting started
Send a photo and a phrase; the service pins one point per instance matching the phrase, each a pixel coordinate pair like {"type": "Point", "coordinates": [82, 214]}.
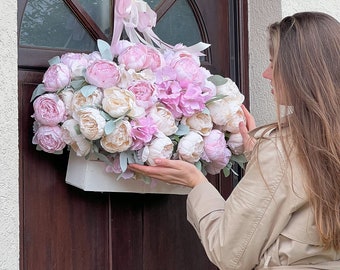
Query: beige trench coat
{"type": "Point", "coordinates": [266, 223]}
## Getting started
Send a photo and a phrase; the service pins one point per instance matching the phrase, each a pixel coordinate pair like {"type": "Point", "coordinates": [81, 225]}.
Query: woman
{"type": "Point", "coordinates": [284, 213]}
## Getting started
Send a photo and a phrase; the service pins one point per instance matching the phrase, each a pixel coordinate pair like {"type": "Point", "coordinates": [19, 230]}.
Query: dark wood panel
{"type": "Point", "coordinates": [169, 240]}
{"type": "Point", "coordinates": [127, 231]}
{"type": "Point", "coordinates": [61, 227]}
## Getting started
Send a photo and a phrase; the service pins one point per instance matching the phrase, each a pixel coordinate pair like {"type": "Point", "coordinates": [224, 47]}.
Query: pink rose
{"type": "Point", "coordinates": [134, 57]}
{"type": "Point", "coordinates": [103, 73]}
{"type": "Point", "coordinates": [57, 77]}
{"type": "Point", "coordinates": [216, 152]}
{"type": "Point", "coordinates": [145, 93]}
{"type": "Point", "coordinates": [49, 139]}
{"type": "Point", "coordinates": [49, 110]}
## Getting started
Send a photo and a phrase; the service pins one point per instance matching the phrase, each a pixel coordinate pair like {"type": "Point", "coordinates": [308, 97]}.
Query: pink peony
{"type": "Point", "coordinates": [142, 132]}
{"type": "Point", "coordinates": [145, 92]}
{"type": "Point", "coordinates": [57, 77]}
{"type": "Point", "coordinates": [154, 59]}
{"type": "Point", "coordinates": [103, 73]}
{"type": "Point", "coordinates": [192, 100]}
{"type": "Point", "coordinates": [49, 139]}
{"type": "Point", "coordinates": [77, 63]}
{"type": "Point", "coordinates": [169, 95]}
{"type": "Point", "coordinates": [134, 57]}
{"type": "Point", "coordinates": [216, 152]}
{"type": "Point", "coordinates": [49, 110]}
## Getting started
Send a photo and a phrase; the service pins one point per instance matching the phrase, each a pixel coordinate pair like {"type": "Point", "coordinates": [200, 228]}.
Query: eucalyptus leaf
{"type": "Point", "coordinates": [106, 116]}
{"type": "Point", "coordinates": [218, 80]}
{"type": "Point", "coordinates": [226, 171]}
{"type": "Point", "coordinates": [182, 130]}
{"type": "Point", "coordinates": [77, 84]}
{"type": "Point", "coordinates": [88, 90]}
{"type": "Point", "coordinates": [240, 160]}
{"type": "Point", "coordinates": [39, 90]}
{"type": "Point", "coordinates": [54, 61]}
{"type": "Point", "coordinates": [198, 165]}
{"type": "Point", "coordinates": [109, 127]}
{"type": "Point", "coordinates": [105, 49]}
{"type": "Point", "coordinates": [123, 161]}
{"type": "Point", "coordinates": [215, 98]}
{"type": "Point", "coordinates": [103, 158]}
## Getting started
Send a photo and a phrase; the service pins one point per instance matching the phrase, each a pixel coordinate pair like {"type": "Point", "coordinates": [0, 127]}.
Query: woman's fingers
{"type": "Point", "coordinates": [248, 142]}
{"type": "Point", "coordinates": [171, 171]}
{"type": "Point", "coordinates": [249, 118]}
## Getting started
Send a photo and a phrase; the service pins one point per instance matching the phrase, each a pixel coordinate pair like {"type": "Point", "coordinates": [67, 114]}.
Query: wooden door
{"type": "Point", "coordinates": [65, 228]}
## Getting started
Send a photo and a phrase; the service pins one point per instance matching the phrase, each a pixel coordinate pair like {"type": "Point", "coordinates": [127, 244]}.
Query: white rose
{"type": "Point", "coordinates": [160, 147]}
{"type": "Point", "coordinates": [91, 123]}
{"type": "Point", "coordinates": [235, 143]}
{"type": "Point", "coordinates": [163, 119]}
{"type": "Point", "coordinates": [200, 122]}
{"type": "Point", "coordinates": [118, 102]}
{"type": "Point", "coordinates": [191, 147]}
{"type": "Point", "coordinates": [119, 140]}
{"type": "Point", "coordinates": [77, 141]}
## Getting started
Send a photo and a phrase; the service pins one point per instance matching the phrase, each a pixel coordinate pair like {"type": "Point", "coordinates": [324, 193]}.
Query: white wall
{"type": "Point", "coordinates": [261, 13]}
{"type": "Point", "coordinates": [9, 203]}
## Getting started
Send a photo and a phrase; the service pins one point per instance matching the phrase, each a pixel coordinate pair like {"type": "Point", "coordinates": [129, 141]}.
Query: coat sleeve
{"type": "Point", "coordinates": [235, 233]}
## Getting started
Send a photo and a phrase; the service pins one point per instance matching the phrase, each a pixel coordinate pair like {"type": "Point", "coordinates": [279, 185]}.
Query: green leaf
{"type": "Point", "coordinates": [55, 60]}
{"type": "Point", "coordinates": [198, 165]}
{"type": "Point", "coordinates": [218, 80]}
{"type": "Point", "coordinates": [123, 161]}
{"type": "Point", "coordinates": [39, 90]}
{"type": "Point", "coordinates": [239, 159]}
{"type": "Point", "coordinates": [105, 49]}
{"type": "Point", "coordinates": [110, 127]}
{"type": "Point", "coordinates": [88, 90]}
{"type": "Point", "coordinates": [182, 130]}
{"type": "Point", "coordinates": [215, 98]}
{"type": "Point", "coordinates": [103, 158]}
{"type": "Point", "coordinates": [106, 116]}
{"type": "Point", "coordinates": [226, 171]}
{"type": "Point", "coordinates": [77, 84]}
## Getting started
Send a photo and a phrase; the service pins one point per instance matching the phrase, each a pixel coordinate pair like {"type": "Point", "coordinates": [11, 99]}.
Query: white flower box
{"type": "Point", "coordinates": [90, 175]}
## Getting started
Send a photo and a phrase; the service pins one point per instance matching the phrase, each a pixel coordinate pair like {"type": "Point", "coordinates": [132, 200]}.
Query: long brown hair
{"type": "Point", "coordinates": [305, 51]}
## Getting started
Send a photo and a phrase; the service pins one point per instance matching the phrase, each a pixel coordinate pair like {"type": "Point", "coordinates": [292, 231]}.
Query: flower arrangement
{"type": "Point", "coordinates": [133, 101]}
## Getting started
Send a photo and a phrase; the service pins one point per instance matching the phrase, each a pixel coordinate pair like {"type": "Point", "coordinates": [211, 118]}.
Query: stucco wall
{"type": "Point", "coordinates": [9, 203]}
{"type": "Point", "coordinates": [261, 14]}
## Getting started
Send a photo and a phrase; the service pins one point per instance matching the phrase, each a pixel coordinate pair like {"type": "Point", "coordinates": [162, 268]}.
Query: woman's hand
{"type": "Point", "coordinates": [248, 141]}
{"type": "Point", "coordinates": [172, 171]}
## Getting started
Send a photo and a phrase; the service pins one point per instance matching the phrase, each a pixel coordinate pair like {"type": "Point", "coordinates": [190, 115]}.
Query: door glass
{"type": "Point", "coordinates": [50, 23]}
{"type": "Point", "coordinates": [178, 25]}
{"type": "Point", "coordinates": [153, 3]}
{"type": "Point", "coordinates": [101, 11]}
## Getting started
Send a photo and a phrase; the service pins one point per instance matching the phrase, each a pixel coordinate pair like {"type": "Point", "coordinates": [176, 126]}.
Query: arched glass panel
{"type": "Point", "coordinates": [101, 11]}
{"type": "Point", "coordinates": [179, 25]}
{"type": "Point", "coordinates": [51, 24]}
{"type": "Point", "coordinates": [153, 3]}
